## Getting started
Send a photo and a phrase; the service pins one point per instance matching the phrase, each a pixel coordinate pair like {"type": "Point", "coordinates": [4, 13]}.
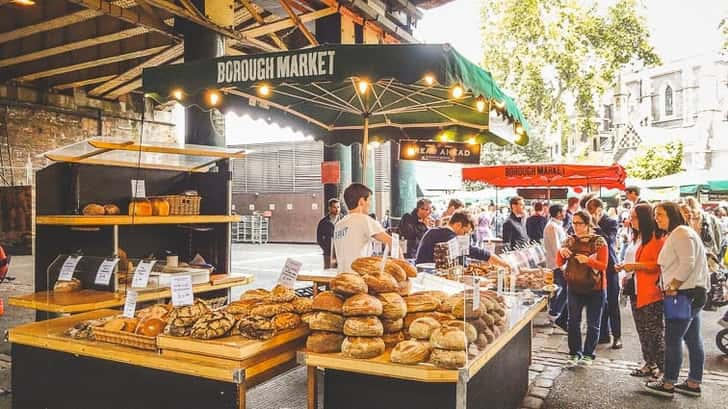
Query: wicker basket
{"type": "Point", "coordinates": [183, 205]}
{"type": "Point", "coordinates": [128, 339]}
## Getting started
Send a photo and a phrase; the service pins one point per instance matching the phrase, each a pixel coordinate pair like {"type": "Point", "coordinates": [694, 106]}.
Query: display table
{"type": "Point", "coordinates": [51, 370]}
{"type": "Point", "coordinates": [90, 300]}
{"type": "Point", "coordinates": [318, 278]}
{"type": "Point", "coordinates": [496, 378]}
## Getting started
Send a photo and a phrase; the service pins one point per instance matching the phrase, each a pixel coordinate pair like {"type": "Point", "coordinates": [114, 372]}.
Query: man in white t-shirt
{"type": "Point", "coordinates": [353, 233]}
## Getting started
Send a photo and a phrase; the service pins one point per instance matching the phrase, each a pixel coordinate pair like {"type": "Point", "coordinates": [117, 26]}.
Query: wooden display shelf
{"type": "Point", "coordinates": [62, 220]}
{"type": "Point", "coordinates": [89, 300]}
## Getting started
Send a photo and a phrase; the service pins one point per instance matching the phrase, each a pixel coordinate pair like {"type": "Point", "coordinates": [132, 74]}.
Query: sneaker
{"type": "Point", "coordinates": [617, 344]}
{"type": "Point", "coordinates": [710, 308]}
{"type": "Point", "coordinates": [553, 318]}
{"type": "Point", "coordinates": [572, 361]}
{"type": "Point", "coordinates": [685, 389]}
{"type": "Point", "coordinates": [658, 388]}
{"type": "Point", "coordinates": [723, 323]}
{"type": "Point", "coordinates": [587, 361]}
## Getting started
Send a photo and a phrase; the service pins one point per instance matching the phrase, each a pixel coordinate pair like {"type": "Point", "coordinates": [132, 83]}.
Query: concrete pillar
{"type": "Point", "coordinates": [356, 175]}
{"type": "Point", "coordinates": [403, 195]}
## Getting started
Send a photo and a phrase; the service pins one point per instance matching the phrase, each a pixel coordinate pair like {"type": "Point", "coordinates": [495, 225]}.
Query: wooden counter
{"type": "Point", "coordinates": [64, 220]}
{"type": "Point", "coordinates": [89, 300]}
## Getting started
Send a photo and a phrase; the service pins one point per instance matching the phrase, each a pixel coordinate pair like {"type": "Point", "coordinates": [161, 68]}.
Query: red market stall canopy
{"type": "Point", "coordinates": [548, 175]}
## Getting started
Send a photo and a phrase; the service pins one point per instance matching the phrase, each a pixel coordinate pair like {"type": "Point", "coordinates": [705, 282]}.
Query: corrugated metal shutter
{"type": "Point", "coordinates": [381, 168]}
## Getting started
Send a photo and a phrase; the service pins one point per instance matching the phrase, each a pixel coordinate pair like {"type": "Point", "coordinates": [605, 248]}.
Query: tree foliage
{"type": "Point", "coordinates": [555, 54]}
{"type": "Point", "coordinates": [724, 30]}
{"type": "Point", "coordinates": [657, 161]}
{"type": "Point", "coordinates": [535, 152]}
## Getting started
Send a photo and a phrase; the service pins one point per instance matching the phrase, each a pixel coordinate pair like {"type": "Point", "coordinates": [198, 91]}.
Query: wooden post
{"type": "Point", "coordinates": [311, 386]}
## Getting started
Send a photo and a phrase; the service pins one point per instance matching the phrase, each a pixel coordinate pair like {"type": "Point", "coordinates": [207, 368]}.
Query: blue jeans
{"type": "Point", "coordinates": [558, 303]}
{"type": "Point", "coordinates": [594, 304]}
{"type": "Point", "coordinates": [611, 319]}
{"type": "Point", "coordinates": [688, 330]}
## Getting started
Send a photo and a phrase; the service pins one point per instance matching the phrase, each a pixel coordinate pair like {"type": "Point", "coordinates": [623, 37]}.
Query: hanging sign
{"type": "Point", "coordinates": [330, 172]}
{"type": "Point", "coordinates": [431, 151]}
{"type": "Point", "coordinates": [141, 274]}
{"type": "Point", "coordinates": [106, 269]}
{"type": "Point", "coordinates": [130, 304]}
{"type": "Point", "coordinates": [290, 273]}
{"type": "Point", "coordinates": [138, 188]}
{"type": "Point", "coordinates": [301, 64]}
{"type": "Point", "coordinates": [181, 287]}
{"type": "Point", "coordinates": [69, 266]}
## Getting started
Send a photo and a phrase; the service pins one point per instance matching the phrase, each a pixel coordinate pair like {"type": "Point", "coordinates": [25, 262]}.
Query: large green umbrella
{"type": "Point", "coordinates": [342, 93]}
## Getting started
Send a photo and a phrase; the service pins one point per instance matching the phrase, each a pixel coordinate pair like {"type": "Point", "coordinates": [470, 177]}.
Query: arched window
{"type": "Point", "coordinates": [668, 101]}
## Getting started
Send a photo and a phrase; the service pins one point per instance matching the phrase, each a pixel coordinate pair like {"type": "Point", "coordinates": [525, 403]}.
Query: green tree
{"type": "Point", "coordinates": [657, 161]}
{"type": "Point", "coordinates": [557, 54]}
{"type": "Point", "coordinates": [535, 152]}
{"type": "Point", "coordinates": [724, 29]}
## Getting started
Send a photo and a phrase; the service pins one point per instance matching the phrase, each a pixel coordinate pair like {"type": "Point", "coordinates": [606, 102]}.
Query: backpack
{"type": "Point", "coordinates": [580, 278]}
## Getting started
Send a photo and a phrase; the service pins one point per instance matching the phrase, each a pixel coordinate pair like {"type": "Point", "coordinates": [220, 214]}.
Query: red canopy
{"type": "Point", "coordinates": [548, 175]}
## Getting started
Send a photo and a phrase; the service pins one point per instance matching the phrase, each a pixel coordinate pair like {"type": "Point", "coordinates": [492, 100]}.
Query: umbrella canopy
{"type": "Point", "coordinates": [548, 175]}
{"type": "Point", "coordinates": [339, 93]}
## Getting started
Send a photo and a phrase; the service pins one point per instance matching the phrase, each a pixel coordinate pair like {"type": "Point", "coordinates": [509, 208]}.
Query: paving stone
{"type": "Point", "coordinates": [543, 382]}
{"type": "Point", "coordinates": [537, 368]}
{"type": "Point", "coordinates": [551, 375]}
{"type": "Point", "coordinates": [539, 392]}
{"type": "Point", "coordinates": [532, 402]}
{"type": "Point", "coordinates": [547, 330]}
{"type": "Point", "coordinates": [532, 376]}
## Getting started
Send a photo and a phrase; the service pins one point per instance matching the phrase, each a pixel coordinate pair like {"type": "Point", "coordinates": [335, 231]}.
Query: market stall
{"type": "Point", "coordinates": [548, 175]}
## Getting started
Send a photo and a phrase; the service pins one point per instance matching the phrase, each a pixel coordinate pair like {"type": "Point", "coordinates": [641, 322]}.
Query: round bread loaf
{"type": "Point", "coordinates": [395, 270]}
{"type": "Point", "coordinates": [463, 309]}
{"type": "Point", "coordinates": [348, 284]}
{"type": "Point", "coordinates": [93, 209]}
{"type": "Point", "coordinates": [448, 359]}
{"type": "Point", "coordinates": [306, 317]}
{"type": "Point", "coordinates": [405, 287]}
{"type": "Point", "coordinates": [496, 331]}
{"type": "Point", "coordinates": [363, 327]}
{"type": "Point", "coordinates": [241, 308]}
{"type": "Point", "coordinates": [410, 352]}
{"type": "Point", "coordinates": [323, 342]}
{"type": "Point", "coordinates": [362, 304]}
{"type": "Point", "coordinates": [447, 304]}
{"type": "Point", "coordinates": [302, 305]}
{"type": "Point", "coordinates": [393, 338]}
{"type": "Point", "coordinates": [422, 328]}
{"type": "Point", "coordinates": [442, 317]}
{"type": "Point", "coordinates": [393, 306]}
{"type": "Point", "coordinates": [362, 347]}
{"type": "Point", "coordinates": [280, 294]}
{"type": "Point", "coordinates": [286, 320]}
{"type": "Point", "coordinates": [328, 301]}
{"type": "Point", "coordinates": [449, 338]}
{"type": "Point", "coordinates": [481, 341]}
{"type": "Point", "coordinates": [488, 319]}
{"type": "Point", "coordinates": [259, 294]}
{"type": "Point", "coordinates": [440, 296]}
{"type": "Point", "coordinates": [381, 283]}
{"type": "Point", "coordinates": [391, 326]}
{"type": "Point", "coordinates": [470, 332]}
{"type": "Point", "coordinates": [70, 286]}
{"type": "Point", "coordinates": [421, 303]}
{"type": "Point", "coordinates": [489, 335]}
{"type": "Point", "coordinates": [111, 209]}
{"type": "Point", "coordinates": [409, 270]}
{"type": "Point", "coordinates": [271, 310]}
{"type": "Point", "coordinates": [479, 325]}
{"type": "Point", "coordinates": [326, 321]}
{"type": "Point", "coordinates": [373, 265]}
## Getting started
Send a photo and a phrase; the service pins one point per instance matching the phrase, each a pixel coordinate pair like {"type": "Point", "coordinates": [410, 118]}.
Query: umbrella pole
{"type": "Point", "coordinates": [364, 150]}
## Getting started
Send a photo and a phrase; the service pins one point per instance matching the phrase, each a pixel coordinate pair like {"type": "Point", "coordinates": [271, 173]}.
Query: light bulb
{"type": "Point", "coordinates": [25, 2]}
{"type": "Point", "coordinates": [471, 140]}
{"type": "Point", "coordinates": [363, 86]}
{"type": "Point", "coordinates": [213, 97]}
{"type": "Point", "coordinates": [177, 94]}
{"type": "Point", "coordinates": [429, 79]}
{"type": "Point", "coordinates": [264, 90]}
{"type": "Point", "coordinates": [519, 129]}
{"type": "Point", "coordinates": [499, 104]}
{"type": "Point", "coordinates": [411, 151]}
{"type": "Point", "coordinates": [480, 104]}
{"type": "Point", "coordinates": [457, 91]}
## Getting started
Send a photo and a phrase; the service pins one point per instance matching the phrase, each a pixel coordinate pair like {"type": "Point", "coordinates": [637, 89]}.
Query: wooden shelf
{"type": "Point", "coordinates": [89, 300]}
{"type": "Point", "coordinates": [62, 220]}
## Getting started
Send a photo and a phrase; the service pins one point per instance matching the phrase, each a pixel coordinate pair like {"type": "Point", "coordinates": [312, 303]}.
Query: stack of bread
{"type": "Point", "coordinates": [426, 304]}
{"type": "Point", "coordinates": [261, 313]}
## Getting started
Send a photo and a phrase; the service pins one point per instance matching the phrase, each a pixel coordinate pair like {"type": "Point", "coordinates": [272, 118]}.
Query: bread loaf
{"type": "Point", "coordinates": [241, 308]}
{"type": "Point", "coordinates": [67, 286]}
{"type": "Point", "coordinates": [449, 338]}
{"type": "Point", "coordinates": [323, 342]}
{"type": "Point", "coordinates": [328, 301]}
{"type": "Point", "coordinates": [326, 321]}
{"type": "Point", "coordinates": [271, 310]}
{"type": "Point", "coordinates": [381, 283]}
{"type": "Point", "coordinates": [391, 326]}
{"type": "Point", "coordinates": [448, 359]}
{"type": "Point", "coordinates": [447, 304]}
{"type": "Point", "coordinates": [463, 309]}
{"type": "Point", "coordinates": [470, 332]}
{"type": "Point", "coordinates": [410, 352]}
{"type": "Point", "coordinates": [302, 305]}
{"type": "Point", "coordinates": [280, 294]}
{"type": "Point", "coordinates": [258, 294]}
{"type": "Point", "coordinates": [481, 341]}
{"type": "Point", "coordinates": [362, 304]}
{"type": "Point", "coordinates": [160, 206]}
{"type": "Point", "coordinates": [93, 209]}
{"type": "Point", "coordinates": [393, 338]}
{"type": "Point", "coordinates": [393, 306]}
{"type": "Point", "coordinates": [286, 320]}
{"type": "Point", "coordinates": [441, 317]}
{"type": "Point", "coordinates": [421, 303]}
{"type": "Point", "coordinates": [111, 210]}
{"type": "Point", "coordinates": [373, 265]}
{"type": "Point", "coordinates": [362, 347]}
{"type": "Point", "coordinates": [363, 327]}
{"type": "Point", "coordinates": [440, 296]}
{"type": "Point", "coordinates": [409, 270]}
{"type": "Point", "coordinates": [405, 287]}
{"type": "Point", "coordinates": [348, 284]}
{"type": "Point", "coordinates": [479, 324]}
{"type": "Point", "coordinates": [422, 328]}
{"type": "Point", "coordinates": [140, 207]}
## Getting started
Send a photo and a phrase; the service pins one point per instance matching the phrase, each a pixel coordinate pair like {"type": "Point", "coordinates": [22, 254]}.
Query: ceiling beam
{"type": "Point", "coordinates": [132, 32]}
{"type": "Point", "coordinates": [288, 22]}
{"type": "Point", "coordinates": [301, 26]}
{"type": "Point", "coordinates": [91, 64]}
{"type": "Point", "coordinates": [150, 12]}
{"type": "Point", "coordinates": [125, 89]}
{"type": "Point", "coordinates": [83, 83]}
{"type": "Point", "coordinates": [258, 18]}
{"type": "Point", "coordinates": [170, 53]}
{"type": "Point", "coordinates": [130, 16]}
{"type": "Point", "coordinates": [48, 25]}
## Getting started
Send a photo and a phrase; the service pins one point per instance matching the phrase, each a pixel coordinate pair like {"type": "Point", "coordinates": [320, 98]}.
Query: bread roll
{"type": "Point", "coordinates": [362, 347]}
{"type": "Point", "coordinates": [440, 296]}
{"type": "Point", "coordinates": [111, 209]}
{"type": "Point", "coordinates": [470, 332]}
{"type": "Point", "coordinates": [151, 327]}
{"type": "Point", "coordinates": [373, 265]}
{"type": "Point", "coordinates": [363, 327]}
{"type": "Point", "coordinates": [302, 305]}
{"type": "Point", "coordinates": [391, 326]}
{"type": "Point", "coordinates": [421, 303]}
{"type": "Point", "coordinates": [481, 341]}
{"type": "Point", "coordinates": [348, 284]}
{"type": "Point", "coordinates": [326, 321]}
{"type": "Point", "coordinates": [116, 324]}
{"type": "Point", "coordinates": [441, 317]}
{"type": "Point", "coordinates": [489, 335]}
{"type": "Point", "coordinates": [241, 308]}
{"type": "Point", "coordinates": [393, 338]}
{"type": "Point", "coordinates": [448, 359]}
{"type": "Point", "coordinates": [447, 304]}
{"type": "Point", "coordinates": [271, 310]}
{"type": "Point", "coordinates": [405, 288]}
{"type": "Point", "coordinates": [410, 352]}
{"type": "Point", "coordinates": [463, 309]}
{"type": "Point", "coordinates": [93, 209]}
{"type": "Point", "coordinates": [281, 294]}
{"type": "Point", "coordinates": [449, 338]}
{"type": "Point", "coordinates": [422, 328]}
{"type": "Point", "coordinates": [393, 306]}
{"type": "Point", "coordinates": [286, 320]}
{"type": "Point", "coordinates": [488, 319]}
{"type": "Point", "coordinates": [328, 301]}
{"type": "Point", "coordinates": [479, 324]}
{"type": "Point", "coordinates": [381, 283]}
{"type": "Point", "coordinates": [67, 286]}
{"type": "Point", "coordinates": [160, 206]}
{"type": "Point", "coordinates": [362, 304]}
{"type": "Point", "coordinates": [323, 342]}
{"type": "Point", "coordinates": [409, 270]}
{"type": "Point", "coordinates": [258, 294]}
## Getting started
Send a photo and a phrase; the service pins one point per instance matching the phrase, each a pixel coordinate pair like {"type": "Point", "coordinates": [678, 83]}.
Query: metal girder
{"type": "Point", "coordinates": [288, 22]}
{"type": "Point", "coordinates": [306, 33]}
{"type": "Point", "coordinates": [258, 18]}
{"type": "Point", "coordinates": [48, 25]}
{"type": "Point", "coordinates": [131, 86]}
{"type": "Point", "coordinates": [130, 16]}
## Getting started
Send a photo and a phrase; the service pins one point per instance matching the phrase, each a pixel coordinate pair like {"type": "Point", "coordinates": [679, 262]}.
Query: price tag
{"type": "Point", "coordinates": [141, 274]}
{"type": "Point", "coordinates": [103, 274]}
{"type": "Point", "coordinates": [395, 245]}
{"type": "Point", "coordinates": [130, 304]}
{"type": "Point", "coordinates": [476, 293]}
{"type": "Point", "coordinates": [453, 248]}
{"type": "Point", "coordinates": [138, 188]}
{"type": "Point", "coordinates": [290, 273]}
{"type": "Point", "coordinates": [69, 266]}
{"type": "Point", "coordinates": [464, 242]}
{"type": "Point", "coordinates": [182, 290]}
{"type": "Point", "coordinates": [385, 256]}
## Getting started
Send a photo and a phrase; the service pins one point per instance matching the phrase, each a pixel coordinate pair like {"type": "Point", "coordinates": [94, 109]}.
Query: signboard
{"type": "Point", "coordinates": [289, 274]}
{"type": "Point", "coordinates": [431, 151]}
{"type": "Point", "coordinates": [181, 287]}
{"type": "Point", "coordinates": [69, 266]}
{"type": "Point", "coordinates": [303, 64]}
{"type": "Point", "coordinates": [330, 172]}
{"type": "Point", "coordinates": [106, 269]}
{"type": "Point", "coordinates": [543, 194]}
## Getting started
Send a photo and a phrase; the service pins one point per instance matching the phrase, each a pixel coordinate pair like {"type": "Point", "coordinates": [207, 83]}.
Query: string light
{"type": "Point", "coordinates": [480, 104]}
{"type": "Point", "coordinates": [363, 86]}
{"type": "Point", "coordinates": [443, 137]}
{"type": "Point", "coordinates": [429, 79]}
{"type": "Point", "coordinates": [411, 151]}
{"type": "Point", "coordinates": [457, 91]}
{"type": "Point", "coordinates": [500, 104]}
{"type": "Point", "coordinates": [472, 141]}
{"type": "Point", "coordinates": [25, 2]}
{"type": "Point", "coordinates": [213, 97]}
{"type": "Point", "coordinates": [177, 94]}
{"type": "Point", "coordinates": [518, 128]}
{"type": "Point", "coordinates": [264, 90]}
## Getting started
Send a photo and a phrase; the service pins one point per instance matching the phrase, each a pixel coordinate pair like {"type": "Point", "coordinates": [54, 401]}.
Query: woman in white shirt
{"type": "Point", "coordinates": [685, 272]}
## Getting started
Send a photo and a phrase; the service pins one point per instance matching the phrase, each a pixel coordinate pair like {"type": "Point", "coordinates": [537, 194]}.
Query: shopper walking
{"type": "Point", "coordinates": [611, 319]}
{"type": "Point", "coordinates": [706, 225]}
{"type": "Point", "coordinates": [553, 236]}
{"type": "Point", "coordinates": [536, 223]}
{"type": "Point", "coordinates": [685, 277]}
{"type": "Point", "coordinates": [585, 255]}
{"type": "Point", "coordinates": [414, 225]}
{"type": "Point", "coordinates": [643, 289]}
{"type": "Point", "coordinates": [572, 206]}
{"type": "Point", "coordinates": [514, 227]}
{"type": "Point", "coordinates": [325, 230]}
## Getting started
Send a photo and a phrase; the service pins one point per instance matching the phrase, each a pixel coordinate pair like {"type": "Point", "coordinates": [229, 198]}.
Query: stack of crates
{"type": "Point", "coordinates": [251, 229]}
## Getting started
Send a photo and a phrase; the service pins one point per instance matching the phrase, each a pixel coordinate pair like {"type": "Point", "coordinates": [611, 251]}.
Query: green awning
{"type": "Point", "coordinates": [718, 185]}
{"type": "Point", "coordinates": [689, 189]}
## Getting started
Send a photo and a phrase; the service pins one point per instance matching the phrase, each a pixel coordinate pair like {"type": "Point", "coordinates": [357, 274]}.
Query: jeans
{"type": "Point", "coordinates": [558, 303]}
{"type": "Point", "coordinates": [688, 330]}
{"type": "Point", "coordinates": [611, 319]}
{"type": "Point", "coordinates": [594, 304]}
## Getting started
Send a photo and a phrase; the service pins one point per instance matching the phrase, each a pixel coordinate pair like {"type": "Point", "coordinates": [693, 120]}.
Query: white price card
{"type": "Point", "coordinates": [141, 274]}
{"type": "Point", "coordinates": [69, 266]}
{"type": "Point", "coordinates": [130, 304]}
{"type": "Point", "coordinates": [290, 273]}
{"type": "Point", "coordinates": [395, 245]}
{"type": "Point", "coordinates": [182, 290]}
{"type": "Point", "coordinates": [476, 293]}
{"type": "Point", "coordinates": [453, 247]}
{"type": "Point", "coordinates": [385, 257]}
{"type": "Point", "coordinates": [464, 242]}
{"type": "Point", "coordinates": [138, 188]}
{"type": "Point", "coordinates": [106, 269]}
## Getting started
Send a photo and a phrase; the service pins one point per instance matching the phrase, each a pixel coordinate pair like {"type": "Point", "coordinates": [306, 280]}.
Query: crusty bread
{"type": "Point", "coordinates": [449, 338]}
{"type": "Point", "coordinates": [328, 301]}
{"type": "Point", "coordinates": [411, 352]}
{"type": "Point", "coordinates": [362, 304]}
{"type": "Point", "coordinates": [326, 321]}
{"type": "Point", "coordinates": [422, 328]}
{"type": "Point", "coordinates": [421, 303]}
{"type": "Point", "coordinates": [324, 342]}
{"type": "Point", "coordinates": [363, 327]}
{"type": "Point", "coordinates": [381, 283]}
{"type": "Point", "coordinates": [448, 359]}
{"type": "Point", "coordinates": [348, 284]}
{"type": "Point", "coordinates": [393, 306]}
{"type": "Point", "coordinates": [362, 347]}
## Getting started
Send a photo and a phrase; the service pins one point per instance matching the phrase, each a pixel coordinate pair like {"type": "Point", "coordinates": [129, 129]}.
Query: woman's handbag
{"type": "Point", "coordinates": [677, 307]}
{"type": "Point", "coordinates": [628, 288]}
